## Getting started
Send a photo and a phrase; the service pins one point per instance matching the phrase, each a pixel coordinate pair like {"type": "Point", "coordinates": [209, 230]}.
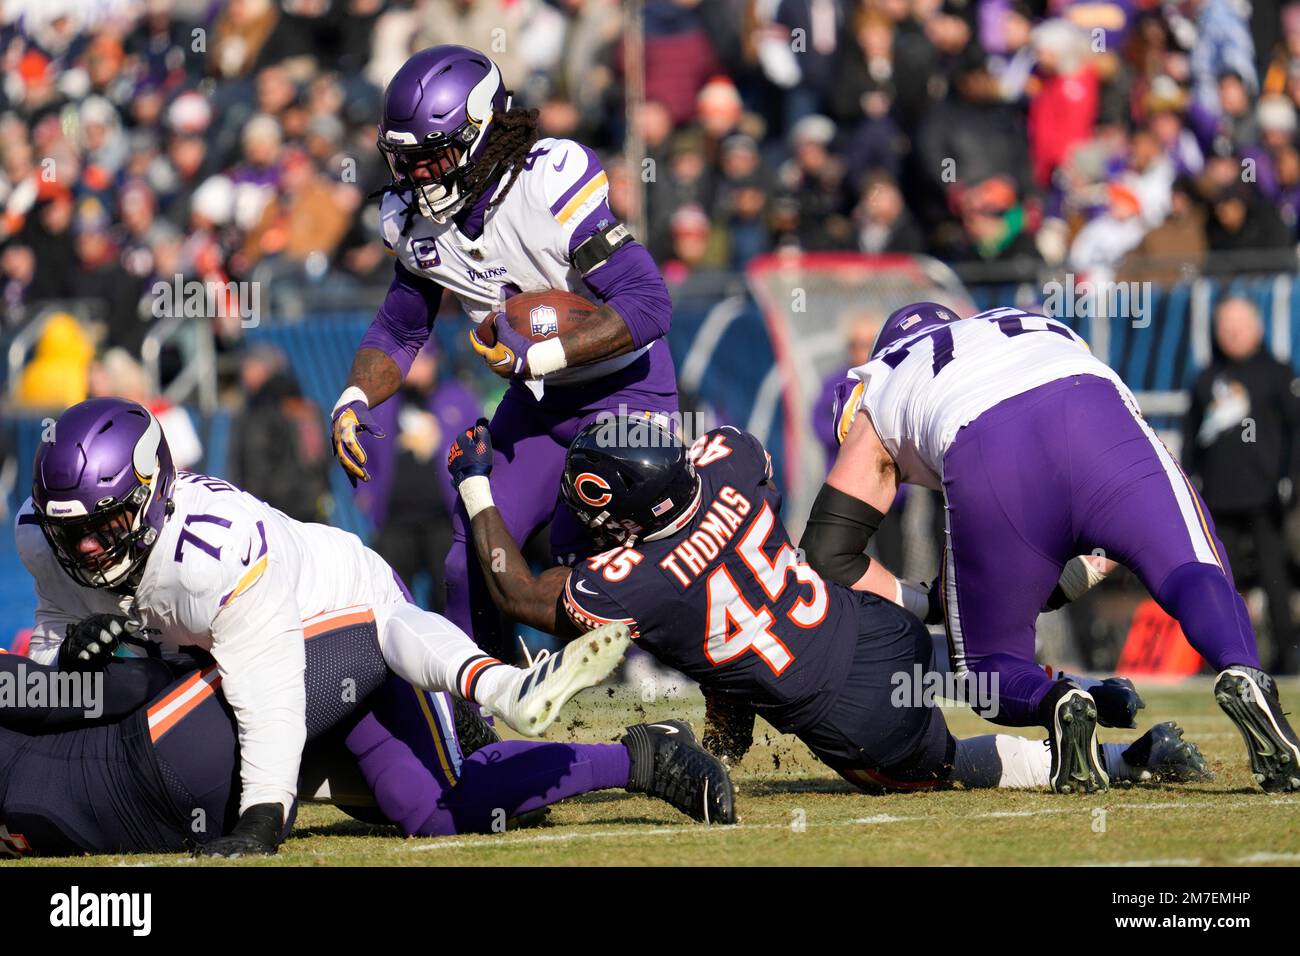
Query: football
{"type": "Point", "coordinates": [546, 314]}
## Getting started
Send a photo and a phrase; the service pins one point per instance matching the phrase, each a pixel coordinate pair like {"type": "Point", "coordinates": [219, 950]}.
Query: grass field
{"type": "Point", "coordinates": [796, 812]}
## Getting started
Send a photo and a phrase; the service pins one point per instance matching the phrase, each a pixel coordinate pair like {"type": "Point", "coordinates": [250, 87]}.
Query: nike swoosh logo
{"type": "Point", "coordinates": [560, 165]}
{"type": "Point", "coordinates": [582, 586]}
{"type": "Point", "coordinates": [248, 556]}
{"type": "Point", "coordinates": [665, 728]}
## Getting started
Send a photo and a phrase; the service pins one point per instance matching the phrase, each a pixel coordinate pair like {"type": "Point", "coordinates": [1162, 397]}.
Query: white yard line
{"type": "Point", "coordinates": [630, 833]}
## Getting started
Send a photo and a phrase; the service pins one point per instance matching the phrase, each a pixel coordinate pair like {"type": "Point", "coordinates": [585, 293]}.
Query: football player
{"type": "Point", "coordinates": [119, 542]}
{"type": "Point", "coordinates": [1042, 455]}
{"type": "Point", "coordinates": [701, 568]}
{"type": "Point", "coordinates": [481, 207]}
{"type": "Point", "coordinates": [157, 770]}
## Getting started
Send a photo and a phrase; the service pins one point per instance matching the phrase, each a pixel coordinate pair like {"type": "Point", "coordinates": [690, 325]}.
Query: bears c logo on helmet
{"type": "Point", "coordinates": [602, 496]}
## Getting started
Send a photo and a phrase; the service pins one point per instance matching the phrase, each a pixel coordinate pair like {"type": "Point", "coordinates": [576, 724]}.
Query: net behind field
{"type": "Point", "coordinates": [809, 302]}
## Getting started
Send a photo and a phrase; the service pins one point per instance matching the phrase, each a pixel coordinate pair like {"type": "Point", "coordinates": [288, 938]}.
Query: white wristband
{"type": "Point", "coordinates": [476, 492]}
{"type": "Point", "coordinates": [350, 394]}
{"type": "Point", "coordinates": [546, 357]}
{"type": "Point", "coordinates": [912, 598]}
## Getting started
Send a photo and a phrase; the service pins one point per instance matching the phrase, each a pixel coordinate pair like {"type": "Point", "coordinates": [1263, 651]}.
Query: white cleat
{"type": "Point", "coordinates": [532, 701]}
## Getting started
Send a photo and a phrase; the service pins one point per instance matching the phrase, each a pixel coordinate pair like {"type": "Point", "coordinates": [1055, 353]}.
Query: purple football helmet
{"type": "Point", "coordinates": [438, 113]}
{"type": "Point", "coordinates": [910, 320]}
{"type": "Point", "coordinates": [102, 489]}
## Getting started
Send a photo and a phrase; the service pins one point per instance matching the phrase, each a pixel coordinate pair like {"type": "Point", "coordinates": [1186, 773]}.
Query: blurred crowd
{"type": "Point", "coordinates": [234, 139]}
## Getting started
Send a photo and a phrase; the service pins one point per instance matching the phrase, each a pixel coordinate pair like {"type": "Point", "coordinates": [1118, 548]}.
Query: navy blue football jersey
{"type": "Point", "coordinates": [726, 599]}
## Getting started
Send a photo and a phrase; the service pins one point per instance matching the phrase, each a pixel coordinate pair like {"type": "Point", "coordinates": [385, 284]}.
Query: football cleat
{"type": "Point", "coordinates": [1117, 702]}
{"type": "Point", "coordinates": [669, 763]}
{"type": "Point", "coordinates": [1161, 755]}
{"type": "Point", "coordinates": [1249, 697]}
{"type": "Point", "coordinates": [531, 701]}
{"type": "Point", "coordinates": [1072, 737]}
{"type": "Point", "coordinates": [472, 730]}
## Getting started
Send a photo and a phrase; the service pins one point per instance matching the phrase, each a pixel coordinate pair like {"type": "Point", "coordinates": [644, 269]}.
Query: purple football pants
{"type": "Point", "coordinates": [529, 443]}
{"type": "Point", "coordinates": [410, 756]}
{"type": "Point", "coordinates": [1064, 469]}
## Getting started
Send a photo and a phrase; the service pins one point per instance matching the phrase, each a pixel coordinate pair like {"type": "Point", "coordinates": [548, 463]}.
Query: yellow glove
{"type": "Point", "coordinates": [350, 419]}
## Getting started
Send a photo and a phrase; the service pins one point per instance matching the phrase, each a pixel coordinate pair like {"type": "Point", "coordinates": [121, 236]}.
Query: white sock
{"type": "Point", "coordinates": [429, 651]}
{"type": "Point", "coordinates": [1001, 760]}
{"type": "Point", "coordinates": [1116, 766]}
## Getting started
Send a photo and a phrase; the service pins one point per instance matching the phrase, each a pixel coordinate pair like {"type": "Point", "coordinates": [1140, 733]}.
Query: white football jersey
{"type": "Point", "coordinates": [524, 246]}
{"type": "Point", "coordinates": [922, 389]}
{"type": "Point", "coordinates": [238, 578]}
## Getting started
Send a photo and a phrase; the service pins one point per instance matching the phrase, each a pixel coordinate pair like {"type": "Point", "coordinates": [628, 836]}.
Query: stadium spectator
{"type": "Point", "coordinates": [56, 376]}
{"type": "Point", "coordinates": [1174, 248]}
{"type": "Point", "coordinates": [101, 279]}
{"type": "Point", "coordinates": [278, 453]}
{"type": "Point", "coordinates": [413, 527]}
{"type": "Point", "coordinates": [1241, 221]}
{"type": "Point", "coordinates": [116, 374]}
{"type": "Point", "coordinates": [1062, 112]}
{"type": "Point", "coordinates": [1240, 442]}
{"type": "Point", "coordinates": [883, 220]}
{"type": "Point", "coordinates": [813, 178]}
{"type": "Point", "coordinates": [741, 204]}
{"type": "Point", "coordinates": [1223, 46]}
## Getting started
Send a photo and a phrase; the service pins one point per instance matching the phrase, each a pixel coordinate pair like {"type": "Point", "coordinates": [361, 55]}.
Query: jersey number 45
{"type": "Point", "coordinates": [736, 626]}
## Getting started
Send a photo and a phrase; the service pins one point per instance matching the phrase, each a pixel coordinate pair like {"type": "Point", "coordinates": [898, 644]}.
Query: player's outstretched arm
{"type": "Point", "coordinates": [531, 599]}
{"type": "Point", "coordinates": [399, 331]}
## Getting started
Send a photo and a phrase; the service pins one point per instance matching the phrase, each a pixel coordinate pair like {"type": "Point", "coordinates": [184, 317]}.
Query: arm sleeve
{"type": "Point", "coordinates": [629, 282]}
{"type": "Point", "coordinates": [405, 319]}
{"type": "Point", "coordinates": [588, 604]}
{"type": "Point", "coordinates": [257, 642]}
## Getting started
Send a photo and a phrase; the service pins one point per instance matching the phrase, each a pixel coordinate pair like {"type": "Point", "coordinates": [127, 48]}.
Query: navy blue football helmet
{"type": "Point", "coordinates": [628, 478]}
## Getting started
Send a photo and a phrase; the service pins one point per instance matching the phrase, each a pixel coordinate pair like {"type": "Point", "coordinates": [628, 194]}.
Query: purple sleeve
{"type": "Point", "coordinates": [824, 416]}
{"type": "Point", "coordinates": [628, 282]}
{"type": "Point", "coordinates": [405, 319]}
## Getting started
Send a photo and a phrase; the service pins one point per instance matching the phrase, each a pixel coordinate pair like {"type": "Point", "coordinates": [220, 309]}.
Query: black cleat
{"type": "Point", "coordinates": [1072, 737]}
{"type": "Point", "coordinates": [669, 763]}
{"type": "Point", "coordinates": [1117, 702]}
{"type": "Point", "coordinates": [1161, 755]}
{"type": "Point", "coordinates": [1249, 697]}
{"type": "Point", "coordinates": [472, 729]}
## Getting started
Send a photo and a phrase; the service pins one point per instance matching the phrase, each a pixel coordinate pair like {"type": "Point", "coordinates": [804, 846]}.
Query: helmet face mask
{"type": "Point", "coordinates": [101, 490]}
{"type": "Point", "coordinates": [434, 172]}
{"type": "Point", "coordinates": [438, 112]}
{"type": "Point", "coordinates": [116, 537]}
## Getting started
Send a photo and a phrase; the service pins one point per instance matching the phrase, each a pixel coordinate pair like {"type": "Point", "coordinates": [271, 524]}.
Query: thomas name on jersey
{"type": "Point", "coordinates": [723, 516]}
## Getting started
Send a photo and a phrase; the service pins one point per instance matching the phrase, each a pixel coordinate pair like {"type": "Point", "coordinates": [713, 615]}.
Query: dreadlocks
{"type": "Point", "coordinates": [513, 134]}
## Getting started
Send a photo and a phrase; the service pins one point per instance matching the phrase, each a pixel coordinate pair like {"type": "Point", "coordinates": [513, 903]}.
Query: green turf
{"type": "Point", "coordinates": [796, 812]}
